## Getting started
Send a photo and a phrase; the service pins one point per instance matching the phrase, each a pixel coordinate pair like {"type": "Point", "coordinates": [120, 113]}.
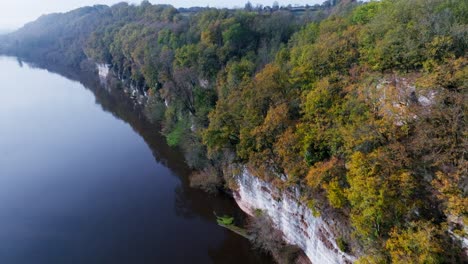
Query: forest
{"type": "Point", "coordinates": [361, 105]}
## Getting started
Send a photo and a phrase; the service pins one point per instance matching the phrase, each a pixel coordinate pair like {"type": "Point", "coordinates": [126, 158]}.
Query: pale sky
{"type": "Point", "coordinates": [15, 13]}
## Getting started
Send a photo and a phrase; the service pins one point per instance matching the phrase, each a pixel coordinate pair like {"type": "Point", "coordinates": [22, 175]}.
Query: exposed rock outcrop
{"type": "Point", "coordinates": [293, 218]}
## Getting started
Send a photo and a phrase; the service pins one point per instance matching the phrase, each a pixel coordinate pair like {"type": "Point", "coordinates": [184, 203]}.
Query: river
{"type": "Point", "coordinates": [84, 178]}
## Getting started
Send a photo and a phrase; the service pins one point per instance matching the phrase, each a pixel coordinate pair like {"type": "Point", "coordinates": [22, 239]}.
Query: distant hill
{"type": "Point", "coordinates": [5, 31]}
{"type": "Point", "coordinates": [62, 37]}
{"type": "Point", "coordinates": [56, 37]}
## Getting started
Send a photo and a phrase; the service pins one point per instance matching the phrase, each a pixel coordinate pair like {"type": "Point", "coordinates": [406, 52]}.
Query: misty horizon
{"type": "Point", "coordinates": [15, 14]}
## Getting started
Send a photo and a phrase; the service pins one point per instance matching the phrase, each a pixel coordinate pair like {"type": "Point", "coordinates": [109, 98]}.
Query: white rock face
{"type": "Point", "coordinates": [394, 96]}
{"type": "Point", "coordinates": [294, 219]}
{"type": "Point", "coordinates": [103, 70]}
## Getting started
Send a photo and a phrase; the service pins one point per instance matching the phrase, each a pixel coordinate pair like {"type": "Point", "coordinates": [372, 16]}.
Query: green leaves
{"type": "Point", "coordinates": [365, 13]}
{"type": "Point", "coordinates": [324, 112]}
{"type": "Point", "coordinates": [225, 220]}
{"type": "Point", "coordinates": [175, 136]}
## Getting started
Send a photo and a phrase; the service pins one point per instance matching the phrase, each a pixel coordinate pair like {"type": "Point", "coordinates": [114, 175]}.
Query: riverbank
{"type": "Point", "coordinates": [106, 75]}
{"type": "Point", "coordinates": [100, 184]}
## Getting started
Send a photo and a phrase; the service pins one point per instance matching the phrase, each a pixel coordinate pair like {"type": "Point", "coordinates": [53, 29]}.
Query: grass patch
{"type": "Point", "coordinates": [175, 136]}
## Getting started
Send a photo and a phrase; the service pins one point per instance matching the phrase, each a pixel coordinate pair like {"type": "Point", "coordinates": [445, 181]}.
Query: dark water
{"type": "Point", "coordinates": [85, 179]}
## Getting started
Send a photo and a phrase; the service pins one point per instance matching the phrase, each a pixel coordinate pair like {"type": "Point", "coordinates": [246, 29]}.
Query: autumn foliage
{"type": "Point", "coordinates": [360, 106]}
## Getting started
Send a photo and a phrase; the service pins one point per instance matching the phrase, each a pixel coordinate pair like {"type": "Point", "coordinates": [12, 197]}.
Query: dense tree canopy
{"type": "Point", "coordinates": [363, 106]}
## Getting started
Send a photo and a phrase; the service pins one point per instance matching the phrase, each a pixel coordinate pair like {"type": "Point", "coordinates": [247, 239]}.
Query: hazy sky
{"type": "Point", "coordinates": [15, 13]}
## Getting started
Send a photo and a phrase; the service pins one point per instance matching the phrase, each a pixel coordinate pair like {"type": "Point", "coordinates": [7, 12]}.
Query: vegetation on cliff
{"type": "Point", "coordinates": [361, 105]}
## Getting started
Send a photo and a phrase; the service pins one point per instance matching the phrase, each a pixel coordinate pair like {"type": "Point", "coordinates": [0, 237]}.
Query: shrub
{"type": "Point", "coordinates": [342, 244]}
{"type": "Point", "coordinates": [264, 236]}
{"type": "Point", "coordinates": [175, 136]}
{"type": "Point", "coordinates": [155, 109]}
{"type": "Point", "coordinates": [208, 180]}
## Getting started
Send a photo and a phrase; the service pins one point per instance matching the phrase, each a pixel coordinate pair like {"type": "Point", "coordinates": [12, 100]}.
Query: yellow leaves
{"type": "Point", "coordinates": [208, 37]}
{"type": "Point", "coordinates": [276, 118]}
{"type": "Point", "coordinates": [312, 205]}
{"type": "Point", "coordinates": [223, 129]}
{"type": "Point", "coordinates": [452, 74]}
{"type": "Point", "coordinates": [457, 206]}
{"type": "Point", "coordinates": [371, 259]}
{"type": "Point", "coordinates": [287, 144]}
{"type": "Point", "coordinates": [359, 165]}
{"type": "Point", "coordinates": [274, 123]}
{"type": "Point", "coordinates": [369, 195]}
{"type": "Point", "coordinates": [270, 81]}
{"type": "Point", "coordinates": [449, 192]}
{"type": "Point", "coordinates": [417, 244]}
{"type": "Point", "coordinates": [318, 100]}
{"type": "Point", "coordinates": [335, 50]}
{"type": "Point", "coordinates": [365, 13]}
{"type": "Point", "coordinates": [439, 46]}
{"type": "Point", "coordinates": [335, 194]}
{"type": "Point", "coordinates": [405, 182]}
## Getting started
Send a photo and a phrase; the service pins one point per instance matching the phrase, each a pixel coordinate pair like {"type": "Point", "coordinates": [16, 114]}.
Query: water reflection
{"type": "Point", "coordinates": [20, 62]}
{"type": "Point", "coordinates": [140, 232]}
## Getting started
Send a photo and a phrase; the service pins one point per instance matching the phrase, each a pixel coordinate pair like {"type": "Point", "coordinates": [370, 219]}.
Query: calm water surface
{"type": "Point", "coordinates": [85, 179]}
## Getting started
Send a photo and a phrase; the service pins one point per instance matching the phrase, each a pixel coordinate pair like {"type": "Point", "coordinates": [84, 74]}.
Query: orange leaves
{"type": "Point", "coordinates": [329, 175]}
{"type": "Point", "coordinates": [321, 171]}
{"type": "Point", "coordinates": [447, 187]}
{"type": "Point", "coordinates": [275, 121]}
{"type": "Point", "coordinates": [289, 151]}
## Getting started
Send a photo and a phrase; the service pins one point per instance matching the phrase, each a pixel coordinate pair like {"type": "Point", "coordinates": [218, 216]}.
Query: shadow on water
{"type": "Point", "coordinates": [190, 202]}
